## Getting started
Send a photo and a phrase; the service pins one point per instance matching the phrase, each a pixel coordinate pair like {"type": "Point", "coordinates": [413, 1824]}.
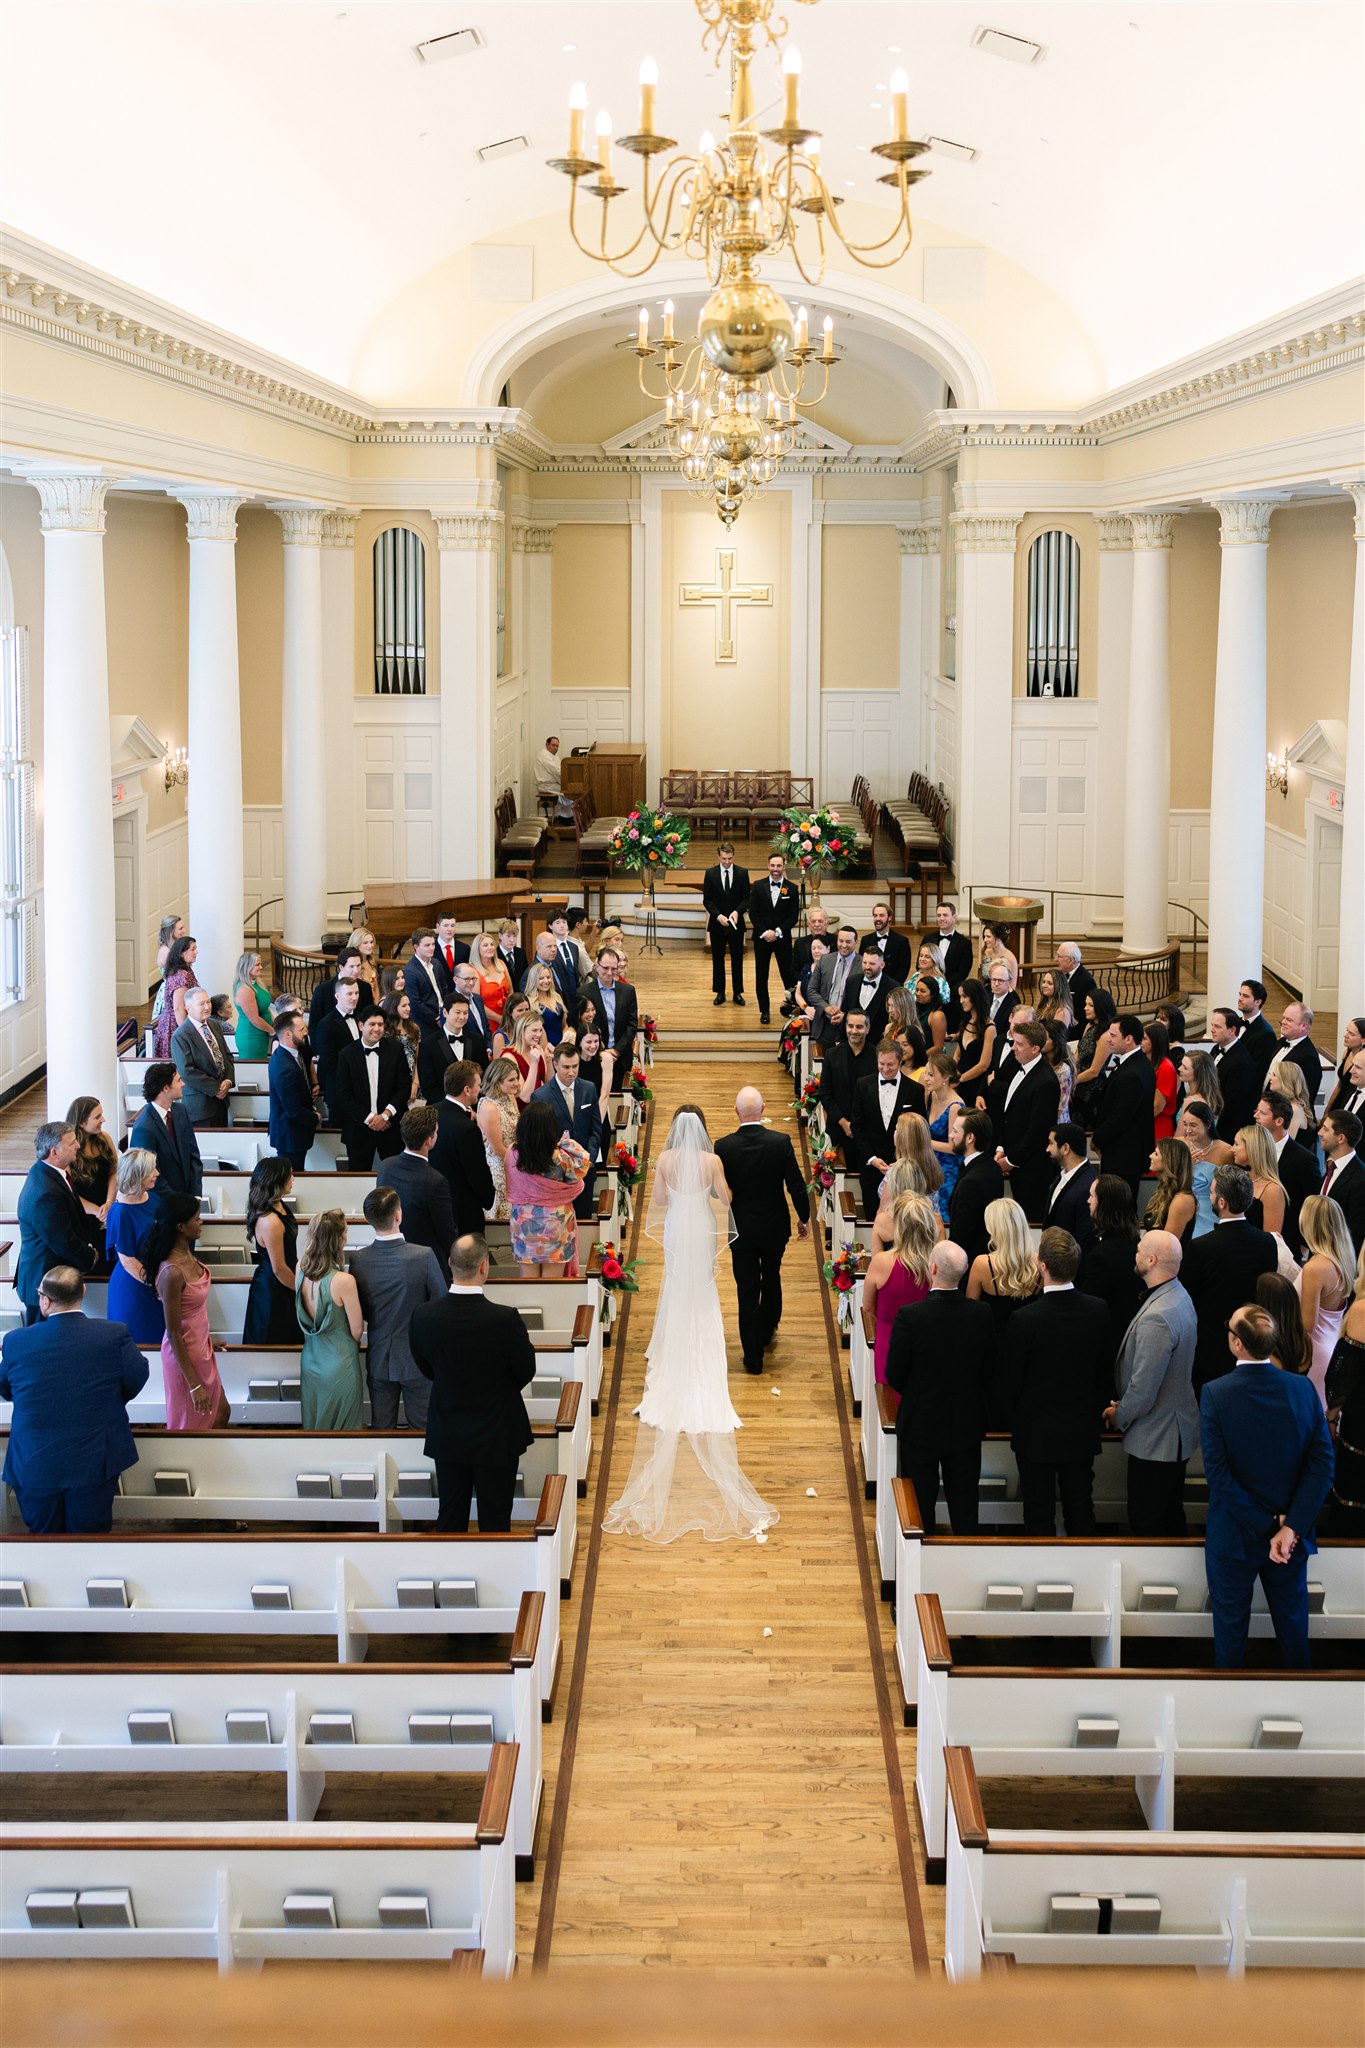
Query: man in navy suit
{"type": "Point", "coordinates": [566, 963]}
{"type": "Point", "coordinates": [70, 1380]}
{"type": "Point", "coordinates": [51, 1219]}
{"type": "Point", "coordinates": [164, 1129]}
{"type": "Point", "coordinates": [576, 1110]}
{"type": "Point", "coordinates": [422, 981]}
{"type": "Point", "coordinates": [293, 1119]}
{"type": "Point", "coordinates": [1268, 1459]}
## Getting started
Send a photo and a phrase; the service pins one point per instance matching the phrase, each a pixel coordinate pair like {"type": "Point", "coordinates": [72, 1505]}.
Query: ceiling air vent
{"type": "Point", "coordinates": [493, 152]}
{"type": "Point", "coordinates": [960, 152]}
{"type": "Point", "coordinates": [1016, 49]}
{"type": "Point", "coordinates": [458, 43]}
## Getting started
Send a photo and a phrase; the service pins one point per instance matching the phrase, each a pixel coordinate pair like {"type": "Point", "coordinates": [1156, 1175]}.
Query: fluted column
{"type": "Point", "coordinates": [918, 637]}
{"type": "Point", "coordinates": [1237, 801]}
{"type": "Point", "coordinates": [1113, 655]}
{"type": "Point", "coordinates": [1147, 762]}
{"type": "Point", "coordinates": [468, 544]}
{"type": "Point", "coordinates": [534, 546]}
{"type": "Point", "coordinates": [215, 736]}
{"type": "Point", "coordinates": [344, 874]}
{"type": "Point", "coordinates": [1351, 953]}
{"type": "Point", "coordinates": [304, 764]}
{"type": "Point", "coordinates": [78, 827]}
{"type": "Point", "coordinates": [985, 689]}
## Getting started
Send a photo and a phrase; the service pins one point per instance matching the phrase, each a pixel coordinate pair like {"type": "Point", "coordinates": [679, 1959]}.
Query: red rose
{"type": "Point", "coordinates": [834, 845]}
{"type": "Point", "coordinates": [611, 1269]}
{"type": "Point", "coordinates": [843, 1281]}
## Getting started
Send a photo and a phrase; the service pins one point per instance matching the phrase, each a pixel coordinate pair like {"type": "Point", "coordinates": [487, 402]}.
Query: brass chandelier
{"type": "Point", "coordinates": [734, 393]}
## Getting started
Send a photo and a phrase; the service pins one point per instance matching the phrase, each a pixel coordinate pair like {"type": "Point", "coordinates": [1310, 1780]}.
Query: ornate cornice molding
{"type": "Point", "coordinates": [532, 540]}
{"type": "Point", "coordinates": [467, 532]}
{"type": "Point", "coordinates": [1115, 533]}
{"type": "Point", "coordinates": [210, 515]}
{"type": "Point", "coordinates": [302, 524]}
{"type": "Point", "coordinates": [69, 501]}
{"type": "Point", "coordinates": [918, 540]}
{"type": "Point", "coordinates": [985, 533]}
{"type": "Point", "coordinates": [1245, 522]}
{"type": "Point", "coordinates": [1152, 531]}
{"type": "Point", "coordinates": [338, 529]}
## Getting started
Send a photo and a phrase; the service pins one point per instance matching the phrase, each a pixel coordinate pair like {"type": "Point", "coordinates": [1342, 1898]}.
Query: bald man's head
{"type": "Point", "coordinates": [1158, 1257]}
{"type": "Point", "coordinates": [947, 1267]}
{"type": "Point", "coordinates": [748, 1105]}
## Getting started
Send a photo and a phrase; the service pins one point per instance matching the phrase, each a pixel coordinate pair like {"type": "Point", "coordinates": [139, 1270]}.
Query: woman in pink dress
{"type": "Point", "coordinates": [194, 1393]}
{"type": "Point", "coordinates": [180, 979]}
{"type": "Point", "coordinates": [900, 1276]}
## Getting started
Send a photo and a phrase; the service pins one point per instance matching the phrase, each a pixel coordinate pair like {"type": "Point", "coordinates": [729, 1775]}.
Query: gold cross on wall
{"type": "Point", "coordinates": [725, 594]}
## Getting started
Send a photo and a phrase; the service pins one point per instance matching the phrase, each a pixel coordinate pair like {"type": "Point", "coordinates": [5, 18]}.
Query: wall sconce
{"type": "Point", "coordinates": [1277, 773]}
{"type": "Point", "coordinates": [177, 767]}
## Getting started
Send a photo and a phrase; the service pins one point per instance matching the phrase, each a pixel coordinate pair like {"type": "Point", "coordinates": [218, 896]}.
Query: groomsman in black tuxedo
{"type": "Point", "coordinates": [1344, 1179]}
{"type": "Point", "coordinates": [1257, 1036]}
{"type": "Point", "coordinates": [1236, 1073]}
{"type": "Point", "coordinates": [953, 951]}
{"type": "Point", "coordinates": [467, 985]}
{"type": "Point", "coordinates": [847, 1061]}
{"type": "Point", "coordinates": [773, 908]}
{"type": "Point", "coordinates": [879, 1103]}
{"type": "Point", "coordinates": [325, 994]}
{"type": "Point", "coordinates": [725, 899]}
{"type": "Point", "coordinates": [1125, 1118]}
{"type": "Point", "coordinates": [457, 1039]}
{"type": "Point", "coordinates": [979, 1182]}
{"type": "Point", "coordinates": [336, 1030]}
{"type": "Point", "coordinates": [459, 1152]}
{"type": "Point", "coordinates": [894, 947]}
{"type": "Point", "coordinates": [1296, 1044]}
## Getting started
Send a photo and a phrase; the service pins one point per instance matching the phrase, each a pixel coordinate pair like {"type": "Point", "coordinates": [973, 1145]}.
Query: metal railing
{"type": "Point", "coordinates": [1187, 939]}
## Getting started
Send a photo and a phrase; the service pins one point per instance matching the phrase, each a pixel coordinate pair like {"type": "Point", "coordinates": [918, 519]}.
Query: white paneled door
{"type": "Point", "coordinates": [859, 736]}
{"type": "Point", "coordinates": [1054, 804]}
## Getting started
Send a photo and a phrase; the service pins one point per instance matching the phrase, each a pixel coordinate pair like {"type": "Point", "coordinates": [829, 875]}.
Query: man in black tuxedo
{"type": "Point", "coordinates": [832, 981]}
{"type": "Point", "coordinates": [879, 1103]}
{"type": "Point", "coordinates": [773, 908]}
{"type": "Point", "coordinates": [566, 962]}
{"type": "Point", "coordinates": [51, 1220]}
{"type": "Point", "coordinates": [510, 953]}
{"type": "Point", "coordinates": [979, 1182]}
{"type": "Point", "coordinates": [725, 899]}
{"type": "Point", "coordinates": [847, 1062]}
{"type": "Point", "coordinates": [458, 1153]}
{"type": "Point", "coordinates": [450, 953]}
{"type": "Point", "coordinates": [336, 1030]}
{"type": "Point", "coordinates": [467, 985]}
{"type": "Point", "coordinates": [893, 946]}
{"type": "Point", "coordinates": [1257, 1036]}
{"type": "Point", "coordinates": [456, 1040]}
{"type": "Point", "coordinates": [1349, 1092]}
{"type": "Point", "coordinates": [762, 1174]}
{"type": "Point", "coordinates": [1028, 1115]}
{"type": "Point", "coordinates": [1297, 1168]}
{"type": "Point", "coordinates": [1221, 1268]}
{"type": "Point", "coordinates": [1067, 960]}
{"type": "Point", "coordinates": [1296, 1044]}
{"type": "Point", "coordinates": [428, 1213]}
{"type": "Point", "coordinates": [618, 1012]}
{"type": "Point", "coordinates": [1236, 1072]}
{"type": "Point", "coordinates": [575, 1106]}
{"type": "Point", "coordinates": [164, 1130]}
{"type": "Point", "coordinates": [478, 1358]}
{"type": "Point", "coordinates": [1069, 1203]}
{"type": "Point", "coordinates": [325, 994]}
{"type": "Point", "coordinates": [1344, 1180]}
{"type": "Point", "coordinates": [200, 1050]}
{"type": "Point", "coordinates": [953, 951]}
{"type": "Point", "coordinates": [940, 1361]}
{"type": "Point", "coordinates": [1125, 1116]}
{"type": "Point", "coordinates": [371, 1092]}
{"type": "Point", "coordinates": [422, 983]}
{"type": "Point", "coordinates": [868, 992]}
{"type": "Point", "coordinates": [1059, 1366]}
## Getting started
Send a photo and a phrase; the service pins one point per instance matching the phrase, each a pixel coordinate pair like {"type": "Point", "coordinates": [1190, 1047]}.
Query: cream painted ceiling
{"type": "Point", "coordinates": [1173, 172]}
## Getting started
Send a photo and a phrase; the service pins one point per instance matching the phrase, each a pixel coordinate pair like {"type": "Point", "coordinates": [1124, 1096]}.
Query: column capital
{"type": "Point", "coordinates": [532, 540]}
{"type": "Point", "coordinates": [302, 524]}
{"type": "Point", "coordinates": [338, 529]}
{"type": "Point", "coordinates": [1245, 522]}
{"type": "Point", "coordinates": [210, 515]}
{"type": "Point", "coordinates": [1356, 486]}
{"type": "Point", "coordinates": [985, 533]}
{"type": "Point", "coordinates": [1152, 529]}
{"type": "Point", "coordinates": [918, 540]}
{"type": "Point", "coordinates": [1115, 532]}
{"type": "Point", "coordinates": [467, 532]}
{"type": "Point", "coordinates": [69, 501]}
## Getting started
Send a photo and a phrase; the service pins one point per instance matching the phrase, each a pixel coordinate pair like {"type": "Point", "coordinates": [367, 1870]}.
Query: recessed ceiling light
{"type": "Point", "coordinates": [1015, 49]}
{"type": "Point", "coordinates": [875, 105]}
{"type": "Point", "coordinates": [511, 145]}
{"type": "Point", "coordinates": [570, 46]}
{"type": "Point", "coordinates": [960, 152]}
{"type": "Point", "coordinates": [458, 43]}
{"type": "Point", "coordinates": [880, 86]}
{"type": "Point", "coordinates": [893, 49]}
{"type": "Point", "coordinates": [848, 182]}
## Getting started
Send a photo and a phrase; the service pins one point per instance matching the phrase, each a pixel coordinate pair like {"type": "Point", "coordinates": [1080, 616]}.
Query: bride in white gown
{"type": "Point", "coordinates": [685, 1473]}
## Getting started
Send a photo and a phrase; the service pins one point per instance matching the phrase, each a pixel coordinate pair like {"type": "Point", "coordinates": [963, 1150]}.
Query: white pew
{"type": "Point", "coordinates": [570, 1310]}
{"type": "Point", "coordinates": [1227, 1903]}
{"type": "Point", "coordinates": [1107, 1575]}
{"type": "Point", "coordinates": [251, 1074]}
{"type": "Point", "coordinates": [344, 1587]}
{"type": "Point", "coordinates": [1171, 1724]}
{"type": "Point", "coordinates": [74, 1720]}
{"type": "Point", "coordinates": [221, 1894]}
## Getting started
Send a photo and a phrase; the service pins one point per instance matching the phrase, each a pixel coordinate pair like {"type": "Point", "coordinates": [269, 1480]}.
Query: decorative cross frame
{"type": "Point", "coordinates": [725, 594]}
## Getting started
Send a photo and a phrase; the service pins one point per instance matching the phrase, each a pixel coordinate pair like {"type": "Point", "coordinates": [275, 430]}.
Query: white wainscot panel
{"type": "Point", "coordinates": [263, 858]}
{"type": "Point", "coordinates": [168, 879]}
{"type": "Point", "coordinates": [1188, 859]}
{"type": "Point", "coordinates": [1286, 905]}
{"type": "Point", "coordinates": [507, 726]}
{"type": "Point", "coordinates": [1054, 801]}
{"type": "Point", "coordinates": [860, 735]}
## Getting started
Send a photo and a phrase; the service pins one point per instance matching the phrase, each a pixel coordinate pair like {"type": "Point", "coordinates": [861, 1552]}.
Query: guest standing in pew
{"type": "Point", "coordinates": [133, 1301]}
{"type": "Point", "coordinates": [896, 1278]}
{"type": "Point", "coordinates": [879, 1103]}
{"type": "Point", "coordinates": [1059, 1372]}
{"type": "Point", "coordinates": [273, 1235]}
{"type": "Point", "coordinates": [1295, 1043]}
{"type": "Point", "coordinates": [456, 1040]}
{"type": "Point", "coordinates": [1344, 1180]}
{"type": "Point", "coordinates": [1222, 1268]}
{"type": "Point", "coordinates": [497, 1114]}
{"type": "Point", "coordinates": [428, 1215]}
{"type": "Point", "coordinates": [458, 1153]}
{"type": "Point", "coordinates": [1124, 1130]}
{"type": "Point", "coordinates": [940, 1361]}
{"type": "Point", "coordinates": [328, 1309]}
{"type": "Point", "coordinates": [200, 1050]}
{"type": "Point", "coordinates": [1292, 1352]}
{"type": "Point", "coordinates": [1028, 1115]}
{"type": "Point", "coordinates": [1346, 1417]}
{"type": "Point", "coordinates": [478, 1358]}
{"type": "Point", "coordinates": [1171, 1204]}
{"type": "Point", "coordinates": [251, 1000]}
{"type": "Point", "coordinates": [1346, 1085]}
{"type": "Point", "coordinates": [1068, 1205]}
{"type": "Point", "coordinates": [979, 1182]}
{"type": "Point", "coordinates": [52, 1228]}
{"type": "Point", "coordinates": [1298, 1169]}
{"type": "Point", "coordinates": [1156, 1413]}
{"type": "Point", "coordinates": [293, 1119]}
{"type": "Point", "coordinates": [579, 1116]}
{"type": "Point", "coordinates": [195, 1399]}
{"type": "Point", "coordinates": [545, 1176]}
{"type": "Point", "coordinates": [892, 946]}
{"type": "Point", "coordinates": [1257, 1036]}
{"type": "Point", "coordinates": [1326, 1282]}
{"type": "Point", "coordinates": [1107, 1270]}
{"type": "Point", "coordinates": [1268, 1461]}
{"type": "Point", "coordinates": [616, 1008]}
{"type": "Point", "coordinates": [70, 1380]}
{"type": "Point", "coordinates": [164, 1130]}
{"type": "Point", "coordinates": [323, 999]}
{"type": "Point", "coordinates": [336, 1029]}
{"type": "Point", "coordinates": [372, 1083]}
{"type": "Point", "coordinates": [393, 1279]}
{"type": "Point", "coordinates": [94, 1167]}
{"type": "Point", "coordinates": [1236, 1073]}
{"type": "Point", "coordinates": [846, 1062]}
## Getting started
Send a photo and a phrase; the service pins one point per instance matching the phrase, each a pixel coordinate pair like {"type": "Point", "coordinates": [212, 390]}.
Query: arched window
{"type": "Point", "coordinates": [400, 614]}
{"type": "Point", "coordinates": [1052, 663]}
{"type": "Point", "coordinates": [18, 809]}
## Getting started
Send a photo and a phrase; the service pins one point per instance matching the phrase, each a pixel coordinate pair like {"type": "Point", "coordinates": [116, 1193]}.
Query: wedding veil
{"type": "Point", "coordinates": [685, 1169]}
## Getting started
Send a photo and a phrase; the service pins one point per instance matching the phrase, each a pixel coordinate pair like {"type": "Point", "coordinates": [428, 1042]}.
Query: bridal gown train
{"type": "Point", "coordinates": [686, 1474]}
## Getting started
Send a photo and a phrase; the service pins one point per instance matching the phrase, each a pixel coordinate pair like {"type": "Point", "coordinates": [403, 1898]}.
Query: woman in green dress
{"type": "Point", "coordinates": [328, 1306]}
{"type": "Point", "coordinates": [251, 1000]}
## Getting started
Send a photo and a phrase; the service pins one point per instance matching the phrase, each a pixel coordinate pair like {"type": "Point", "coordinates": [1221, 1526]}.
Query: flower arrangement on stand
{"type": "Point", "coordinates": [841, 1274]}
{"type": "Point", "coordinates": [647, 841]}
{"type": "Point", "coordinates": [617, 1276]}
{"type": "Point", "coordinates": [824, 1173]}
{"type": "Point", "coordinates": [629, 1174]}
{"type": "Point", "coordinates": [816, 843]}
{"type": "Point", "coordinates": [649, 1038]}
{"type": "Point", "coordinates": [637, 1084]}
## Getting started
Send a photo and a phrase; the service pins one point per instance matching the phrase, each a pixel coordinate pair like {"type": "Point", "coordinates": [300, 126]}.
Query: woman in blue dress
{"type": "Point", "coordinates": [1196, 1129]}
{"type": "Point", "coordinates": [132, 1298]}
{"type": "Point", "coordinates": [940, 1100]}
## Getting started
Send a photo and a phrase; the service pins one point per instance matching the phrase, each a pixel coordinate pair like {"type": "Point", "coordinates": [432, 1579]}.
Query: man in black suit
{"type": "Point", "coordinates": [1344, 1180]}
{"type": "Point", "coordinates": [1257, 1036]}
{"type": "Point", "coordinates": [456, 1040]}
{"type": "Point", "coordinates": [509, 952]}
{"type": "Point", "coordinates": [1067, 960]}
{"type": "Point", "coordinates": [428, 1213]}
{"type": "Point", "coordinates": [325, 994]}
{"type": "Point", "coordinates": [566, 962]}
{"type": "Point", "coordinates": [1069, 1202]}
{"type": "Point", "coordinates": [450, 953]}
{"type": "Point", "coordinates": [940, 1361]}
{"type": "Point", "coordinates": [200, 1050]}
{"type": "Point", "coordinates": [868, 992]}
{"type": "Point", "coordinates": [1125, 1116]}
{"type": "Point", "coordinates": [847, 1062]}
{"type": "Point", "coordinates": [372, 1084]}
{"type": "Point", "coordinates": [725, 899]}
{"type": "Point", "coordinates": [478, 1358]}
{"type": "Point", "coordinates": [773, 908]}
{"type": "Point", "coordinates": [1296, 1044]}
{"type": "Point", "coordinates": [51, 1220]}
{"type": "Point", "coordinates": [979, 1182]}
{"type": "Point", "coordinates": [762, 1174]}
{"type": "Point", "coordinates": [879, 1103]}
{"type": "Point", "coordinates": [832, 982]}
{"type": "Point", "coordinates": [1059, 1362]}
{"type": "Point", "coordinates": [467, 985]}
{"type": "Point", "coordinates": [1028, 1115]}
{"type": "Point", "coordinates": [164, 1130]}
{"type": "Point", "coordinates": [618, 1012]}
{"type": "Point", "coordinates": [458, 1152]}
{"type": "Point", "coordinates": [338, 1029]}
{"type": "Point", "coordinates": [1349, 1092]}
{"type": "Point", "coordinates": [953, 951]}
{"type": "Point", "coordinates": [1236, 1073]}
{"type": "Point", "coordinates": [893, 946]}
{"type": "Point", "coordinates": [1296, 1165]}
{"type": "Point", "coordinates": [575, 1106]}
{"type": "Point", "coordinates": [1221, 1268]}
{"type": "Point", "coordinates": [422, 983]}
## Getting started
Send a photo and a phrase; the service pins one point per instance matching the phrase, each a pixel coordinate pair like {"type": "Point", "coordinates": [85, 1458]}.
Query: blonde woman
{"type": "Point", "coordinates": [529, 1050]}
{"type": "Point", "coordinates": [328, 1308]}
{"type": "Point", "coordinates": [896, 1278]}
{"type": "Point", "coordinates": [495, 983]}
{"type": "Point", "coordinates": [1007, 1275]}
{"type": "Point", "coordinates": [499, 1108]}
{"type": "Point", "coordinates": [366, 944]}
{"type": "Point", "coordinates": [613, 936]}
{"type": "Point", "coordinates": [1328, 1281]}
{"type": "Point", "coordinates": [1287, 1076]}
{"type": "Point", "coordinates": [902, 1178]}
{"type": "Point", "coordinates": [252, 1034]}
{"type": "Point", "coordinates": [548, 1004]}
{"type": "Point", "coordinates": [1254, 1149]}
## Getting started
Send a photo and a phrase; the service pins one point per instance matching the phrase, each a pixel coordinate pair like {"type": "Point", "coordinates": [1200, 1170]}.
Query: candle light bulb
{"type": "Point", "coordinates": [900, 86]}
{"type": "Point", "coordinates": [649, 79]}
{"type": "Point", "coordinates": [801, 327]}
{"type": "Point", "coordinates": [642, 332]}
{"type": "Point", "coordinates": [603, 128]}
{"type": "Point", "coordinates": [791, 81]}
{"type": "Point", "coordinates": [706, 142]}
{"type": "Point", "coordinates": [827, 353]}
{"type": "Point", "coordinates": [668, 319]}
{"type": "Point", "coordinates": [649, 71]}
{"type": "Point", "coordinates": [578, 106]}
{"type": "Point", "coordinates": [813, 152]}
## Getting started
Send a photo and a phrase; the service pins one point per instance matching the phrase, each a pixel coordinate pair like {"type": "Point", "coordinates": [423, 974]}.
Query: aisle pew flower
{"type": "Point", "coordinates": [618, 1277]}
{"type": "Point", "coordinates": [821, 1185]}
{"type": "Point", "coordinates": [629, 1174]}
{"type": "Point", "coordinates": [649, 1038]}
{"type": "Point", "coordinates": [807, 1103]}
{"type": "Point", "coordinates": [841, 1275]}
{"type": "Point", "coordinates": [638, 1084]}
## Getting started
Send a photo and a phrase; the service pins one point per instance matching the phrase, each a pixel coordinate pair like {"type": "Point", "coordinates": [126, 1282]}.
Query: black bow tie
{"type": "Point", "coordinates": [372, 1052]}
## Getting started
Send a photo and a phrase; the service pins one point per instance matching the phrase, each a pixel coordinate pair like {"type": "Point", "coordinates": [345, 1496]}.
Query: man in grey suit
{"type": "Point", "coordinates": [200, 1051]}
{"type": "Point", "coordinates": [832, 981]}
{"type": "Point", "coordinates": [1156, 1412]}
{"type": "Point", "coordinates": [393, 1278]}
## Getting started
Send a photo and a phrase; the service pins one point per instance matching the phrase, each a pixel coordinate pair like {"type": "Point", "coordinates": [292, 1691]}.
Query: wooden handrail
{"type": "Point", "coordinates": [551, 1504]}
{"type": "Point", "coordinates": [526, 1635]}
{"type": "Point", "coordinates": [582, 1326]}
{"type": "Point", "coordinates": [938, 1652]}
{"type": "Point", "coordinates": [568, 1404]}
{"type": "Point", "coordinates": [495, 1808]}
{"type": "Point", "coordinates": [965, 1794]}
{"type": "Point", "coordinates": [907, 1508]}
